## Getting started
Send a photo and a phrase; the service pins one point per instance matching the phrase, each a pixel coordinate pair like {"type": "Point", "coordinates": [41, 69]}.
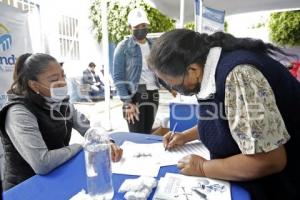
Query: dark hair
{"type": "Point", "coordinates": [28, 67]}
{"type": "Point", "coordinates": [175, 50]}
{"type": "Point", "coordinates": [91, 64]}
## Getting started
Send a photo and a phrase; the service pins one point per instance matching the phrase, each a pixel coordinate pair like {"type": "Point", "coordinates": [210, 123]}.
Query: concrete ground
{"type": "Point", "coordinates": [95, 112]}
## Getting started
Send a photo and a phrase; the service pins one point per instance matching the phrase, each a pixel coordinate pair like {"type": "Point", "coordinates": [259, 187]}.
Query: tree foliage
{"type": "Point", "coordinates": [285, 28]}
{"type": "Point", "coordinates": [191, 26]}
{"type": "Point", "coordinates": [117, 18]}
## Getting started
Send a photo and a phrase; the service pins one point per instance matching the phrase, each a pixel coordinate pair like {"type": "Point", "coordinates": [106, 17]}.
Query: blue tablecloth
{"type": "Point", "coordinates": [67, 180]}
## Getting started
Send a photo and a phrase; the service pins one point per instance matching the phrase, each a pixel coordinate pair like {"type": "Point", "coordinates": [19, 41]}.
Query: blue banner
{"type": "Point", "coordinates": [14, 41]}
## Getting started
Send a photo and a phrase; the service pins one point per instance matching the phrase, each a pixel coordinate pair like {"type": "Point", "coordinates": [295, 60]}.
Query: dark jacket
{"type": "Point", "coordinates": [55, 133]}
{"type": "Point", "coordinates": [88, 78]}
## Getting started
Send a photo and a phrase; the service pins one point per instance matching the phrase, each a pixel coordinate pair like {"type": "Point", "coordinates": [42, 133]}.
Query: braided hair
{"type": "Point", "coordinates": [175, 50]}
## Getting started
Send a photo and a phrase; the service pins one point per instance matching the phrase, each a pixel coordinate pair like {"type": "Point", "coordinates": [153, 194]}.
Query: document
{"type": "Point", "coordinates": [136, 160]}
{"type": "Point", "coordinates": [146, 159]}
{"type": "Point", "coordinates": [181, 187]}
{"type": "Point", "coordinates": [171, 157]}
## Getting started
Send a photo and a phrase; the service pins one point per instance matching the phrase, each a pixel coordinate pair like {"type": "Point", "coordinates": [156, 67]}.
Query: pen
{"type": "Point", "coordinates": [173, 132]}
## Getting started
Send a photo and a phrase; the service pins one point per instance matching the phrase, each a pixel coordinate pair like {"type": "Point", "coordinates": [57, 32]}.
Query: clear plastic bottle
{"type": "Point", "coordinates": [98, 164]}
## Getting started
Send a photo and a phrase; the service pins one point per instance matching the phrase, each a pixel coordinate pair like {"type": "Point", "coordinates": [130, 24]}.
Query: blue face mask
{"type": "Point", "coordinates": [57, 94]}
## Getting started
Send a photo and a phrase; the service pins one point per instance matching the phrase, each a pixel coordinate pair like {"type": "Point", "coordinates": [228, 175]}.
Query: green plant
{"type": "Point", "coordinates": [225, 26]}
{"type": "Point", "coordinates": [117, 19]}
{"type": "Point", "coordinates": [191, 26]}
{"type": "Point", "coordinates": [285, 28]}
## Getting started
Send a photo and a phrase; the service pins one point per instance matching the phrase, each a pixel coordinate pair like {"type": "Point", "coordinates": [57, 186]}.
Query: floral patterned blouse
{"type": "Point", "coordinates": [253, 116]}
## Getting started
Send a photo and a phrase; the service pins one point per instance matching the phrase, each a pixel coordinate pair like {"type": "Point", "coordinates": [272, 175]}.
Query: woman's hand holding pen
{"type": "Point", "coordinates": [173, 140]}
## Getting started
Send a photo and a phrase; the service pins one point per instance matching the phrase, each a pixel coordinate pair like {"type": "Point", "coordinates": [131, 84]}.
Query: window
{"type": "Point", "coordinates": [25, 5]}
{"type": "Point", "coordinates": [68, 38]}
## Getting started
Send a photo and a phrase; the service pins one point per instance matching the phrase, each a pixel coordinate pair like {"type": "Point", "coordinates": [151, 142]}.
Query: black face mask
{"type": "Point", "coordinates": [140, 34]}
{"type": "Point", "coordinates": [187, 92]}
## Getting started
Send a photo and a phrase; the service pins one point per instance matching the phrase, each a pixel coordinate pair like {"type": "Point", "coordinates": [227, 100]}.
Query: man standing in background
{"type": "Point", "coordinates": [136, 84]}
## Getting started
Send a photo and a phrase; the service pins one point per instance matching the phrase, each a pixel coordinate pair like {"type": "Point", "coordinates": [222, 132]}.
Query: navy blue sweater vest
{"type": "Point", "coordinates": [213, 126]}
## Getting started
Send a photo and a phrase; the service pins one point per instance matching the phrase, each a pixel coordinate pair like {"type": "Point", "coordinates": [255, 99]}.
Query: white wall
{"type": "Point", "coordinates": [243, 25]}
{"type": "Point", "coordinates": [89, 48]}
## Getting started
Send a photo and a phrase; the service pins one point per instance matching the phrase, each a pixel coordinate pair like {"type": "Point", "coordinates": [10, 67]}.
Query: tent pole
{"type": "Point", "coordinates": [181, 17]}
{"type": "Point", "coordinates": [198, 15]}
{"type": "Point", "coordinates": [105, 57]}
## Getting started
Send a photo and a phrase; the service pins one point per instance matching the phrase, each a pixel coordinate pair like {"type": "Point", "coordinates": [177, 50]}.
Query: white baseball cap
{"type": "Point", "coordinates": [137, 16]}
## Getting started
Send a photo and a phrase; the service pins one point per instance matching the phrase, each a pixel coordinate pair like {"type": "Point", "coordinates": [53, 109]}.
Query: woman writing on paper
{"type": "Point", "coordinates": [249, 110]}
{"type": "Point", "coordinates": [37, 121]}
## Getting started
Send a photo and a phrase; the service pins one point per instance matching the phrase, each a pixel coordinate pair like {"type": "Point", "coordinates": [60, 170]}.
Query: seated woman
{"type": "Point", "coordinates": [249, 109]}
{"type": "Point", "coordinates": [37, 122]}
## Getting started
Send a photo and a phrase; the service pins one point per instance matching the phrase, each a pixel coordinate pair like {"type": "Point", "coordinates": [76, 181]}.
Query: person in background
{"type": "Point", "coordinates": [249, 110]}
{"type": "Point", "coordinates": [136, 85]}
{"type": "Point", "coordinates": [37, 121]}
{"type": "Point", "coordinates": [96, 85]}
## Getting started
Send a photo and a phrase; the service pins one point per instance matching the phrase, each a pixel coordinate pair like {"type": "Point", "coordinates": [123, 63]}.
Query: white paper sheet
{"type": "Point", "coordinates": [136, 160]}
{"type": "Point", "coordinates": [171, 157]}
{"type": "Point", "coordinates": [181, 187]}
{"type": "Point", "coordinates": [146, 159]}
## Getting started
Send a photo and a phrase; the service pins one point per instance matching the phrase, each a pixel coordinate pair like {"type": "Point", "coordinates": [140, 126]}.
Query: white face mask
{"type": "Point", "coordinates": [57, 94]}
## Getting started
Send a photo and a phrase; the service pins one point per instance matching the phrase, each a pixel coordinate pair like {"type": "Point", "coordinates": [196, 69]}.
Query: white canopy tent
{"type": "Point", "coordinates": [185, 12]}
{"type": "Point", "coordinates": [172, 7]}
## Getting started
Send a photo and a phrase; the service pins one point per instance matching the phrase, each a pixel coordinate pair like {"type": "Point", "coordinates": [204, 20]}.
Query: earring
{"type": "Point", "coordinates": [37, 92]}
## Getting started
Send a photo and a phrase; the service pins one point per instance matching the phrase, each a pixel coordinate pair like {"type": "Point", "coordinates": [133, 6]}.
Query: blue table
{"type": "Point", "coordinates": [70, 178]}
